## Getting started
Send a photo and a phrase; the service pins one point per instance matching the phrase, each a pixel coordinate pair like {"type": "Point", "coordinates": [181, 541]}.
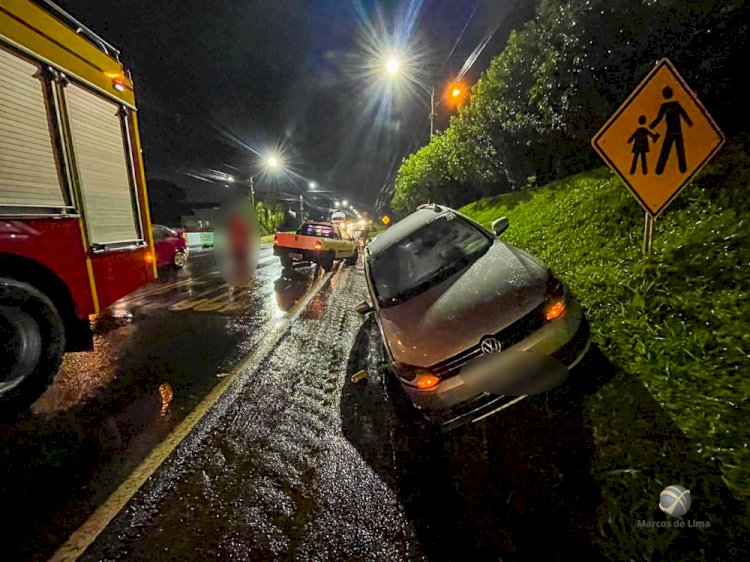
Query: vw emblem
{"type": "Point", "coordinates": [490, 345]}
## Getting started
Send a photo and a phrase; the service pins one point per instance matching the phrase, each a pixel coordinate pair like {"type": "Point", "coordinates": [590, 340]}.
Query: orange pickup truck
{"type": "Point", "coordinates": [316, 242]}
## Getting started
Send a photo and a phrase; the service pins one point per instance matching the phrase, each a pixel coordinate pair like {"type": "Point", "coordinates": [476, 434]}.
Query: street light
{"type": "Point", "coordinates": [392, 65]}
{"type": "Point", "coordinates": [312, 185]}
{"type": "Point", "coordinates": [345, 203]}
{"type": "Point", "coordinates": [271, 163]}
{"type": "Point", "coordinates": [395, 67]}
{"type": "Point", "coordinates": [456, 93]}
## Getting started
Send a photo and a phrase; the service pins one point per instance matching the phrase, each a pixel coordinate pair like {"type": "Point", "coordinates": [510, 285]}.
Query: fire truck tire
{"type": "Point", "coordinates": [32, 343]}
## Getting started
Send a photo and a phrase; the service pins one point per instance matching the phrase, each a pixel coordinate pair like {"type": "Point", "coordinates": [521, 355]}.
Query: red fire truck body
{"type": "Point", "coordinates": [75, 231]}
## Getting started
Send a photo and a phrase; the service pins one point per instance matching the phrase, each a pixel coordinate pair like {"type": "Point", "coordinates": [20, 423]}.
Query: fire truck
{"type": "Point", "coordinates": [75, 233]}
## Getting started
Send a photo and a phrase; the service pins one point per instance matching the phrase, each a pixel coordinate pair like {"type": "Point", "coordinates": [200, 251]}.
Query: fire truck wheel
{"type": "Point", "coordinates": [32, 342]}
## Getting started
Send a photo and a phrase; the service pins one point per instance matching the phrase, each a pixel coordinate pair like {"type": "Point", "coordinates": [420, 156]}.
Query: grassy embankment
{"type": "Point", "coordinates": [676, 322]}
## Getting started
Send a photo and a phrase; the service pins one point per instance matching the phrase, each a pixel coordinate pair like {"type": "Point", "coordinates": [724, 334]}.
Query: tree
{"type": "Point", "coordinates": [533, 112]}
{"type": "Point", "coordinates": [270, 216]}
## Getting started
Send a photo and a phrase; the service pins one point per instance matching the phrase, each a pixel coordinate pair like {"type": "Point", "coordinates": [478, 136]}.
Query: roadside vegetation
{"type": "Point", "coordinates": [676, 321]}
{"type": "Point", "coordinates": [531, 115]}
{"type": "Point", "coordinates": [270, 217]}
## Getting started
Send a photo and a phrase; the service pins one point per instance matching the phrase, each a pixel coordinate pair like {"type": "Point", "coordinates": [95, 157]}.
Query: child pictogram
{"type": "Point", "coordinates": [640, 139]}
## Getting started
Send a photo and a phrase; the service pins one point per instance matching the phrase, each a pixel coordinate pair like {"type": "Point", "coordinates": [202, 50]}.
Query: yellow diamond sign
{"type": "Point", "coordinates": [659, 138]}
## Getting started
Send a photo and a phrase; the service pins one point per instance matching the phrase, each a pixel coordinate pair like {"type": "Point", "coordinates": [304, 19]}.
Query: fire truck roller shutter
{"type": "Point", "coordinates": [103, 172]}
{"type": "Point", "coordinates": [28, 169]}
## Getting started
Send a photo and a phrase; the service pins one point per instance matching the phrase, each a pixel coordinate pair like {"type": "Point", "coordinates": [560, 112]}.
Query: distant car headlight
{"type": "Point", "coordinates": [416, 376]}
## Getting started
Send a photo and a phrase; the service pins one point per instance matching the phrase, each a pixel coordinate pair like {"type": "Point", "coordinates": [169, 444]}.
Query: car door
{"type": "Point", "coordinates": [162, 245]}
{"type": "Point", "coordinates": [343, 243]}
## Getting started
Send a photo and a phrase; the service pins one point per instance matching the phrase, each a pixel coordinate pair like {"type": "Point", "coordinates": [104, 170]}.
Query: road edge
{"type": "Point", "coordinates": [79, 541]}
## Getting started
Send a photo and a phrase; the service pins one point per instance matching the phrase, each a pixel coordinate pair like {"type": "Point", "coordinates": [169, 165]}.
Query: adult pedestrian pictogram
{"type": "Point", "coordinates": [659, 138]}
{"type": "Point", "coordinates": [673, 113]}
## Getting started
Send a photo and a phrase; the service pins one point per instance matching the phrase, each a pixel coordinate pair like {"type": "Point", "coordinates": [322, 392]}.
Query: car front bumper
{"type": "Point", "coordinates": [454, 402]}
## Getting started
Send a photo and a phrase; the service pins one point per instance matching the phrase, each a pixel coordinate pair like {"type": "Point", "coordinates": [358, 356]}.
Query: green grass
{"type": "Point", "coordinates": [676, 322]}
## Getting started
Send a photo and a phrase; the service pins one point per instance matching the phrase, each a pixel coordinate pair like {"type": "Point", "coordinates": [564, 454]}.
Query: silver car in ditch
{"type": "Point", "coordinates": [470, 324]}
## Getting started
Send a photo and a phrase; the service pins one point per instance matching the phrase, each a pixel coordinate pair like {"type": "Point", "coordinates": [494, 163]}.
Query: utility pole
{"type": "Point", "coordinates": [301, 208]}
{"type": "Point", "coordinates": [432, 112]}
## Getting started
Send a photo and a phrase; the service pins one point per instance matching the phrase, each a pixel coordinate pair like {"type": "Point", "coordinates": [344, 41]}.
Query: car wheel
{"type": "Point", "coordinates": [179, 260]}
{"type": "Point", "coordinates": [32, 342]}
{"type": "Point", "coordinates": [326, 262]}
{"type": "Point", "coordinates": [403, 408]}
{"type": "Point", "coordinates": [286, 262]}
{"type": "Point", "coordinates": [353, 260]}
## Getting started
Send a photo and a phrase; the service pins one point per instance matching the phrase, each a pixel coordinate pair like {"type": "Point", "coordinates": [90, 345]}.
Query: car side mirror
{"type": "Point", "coordinates": [500, 225]}
{"type": "Point", "coordinates": [364, 308]}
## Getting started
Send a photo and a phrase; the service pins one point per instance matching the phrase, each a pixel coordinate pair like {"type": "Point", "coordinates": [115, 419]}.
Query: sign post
{"type": "Point", "coordinates": [648, 234]}
{"type": "Point", "coordinates": [658, 140]}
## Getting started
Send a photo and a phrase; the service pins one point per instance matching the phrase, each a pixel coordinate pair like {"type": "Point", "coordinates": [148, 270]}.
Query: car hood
{"type": "Point", "coordinates": [496, 290]}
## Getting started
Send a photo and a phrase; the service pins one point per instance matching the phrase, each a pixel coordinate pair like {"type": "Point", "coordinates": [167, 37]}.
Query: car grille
{"type": "Point", "coordinates": [507, 337]}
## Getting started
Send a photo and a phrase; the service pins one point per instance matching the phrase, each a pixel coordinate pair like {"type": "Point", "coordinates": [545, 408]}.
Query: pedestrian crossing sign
{"type": "Point", "coordinates": [659, 138]}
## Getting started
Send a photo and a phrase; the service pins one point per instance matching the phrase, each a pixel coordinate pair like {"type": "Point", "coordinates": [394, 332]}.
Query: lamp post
{"type": "Point", "coordinates": [432, 112]}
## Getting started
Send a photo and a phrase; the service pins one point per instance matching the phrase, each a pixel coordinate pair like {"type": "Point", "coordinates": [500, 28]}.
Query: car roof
{"type": "Point", "coordinates": [322, 223]}
{"type": "Point", "coordinates": [404, 227]}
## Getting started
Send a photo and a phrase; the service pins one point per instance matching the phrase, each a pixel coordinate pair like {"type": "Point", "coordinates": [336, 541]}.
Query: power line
{"type": "Point", "coordinates": [460, 35]}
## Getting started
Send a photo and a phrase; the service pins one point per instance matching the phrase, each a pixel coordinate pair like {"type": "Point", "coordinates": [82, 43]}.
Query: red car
{"type": "Point", "coordinates": [170, 246]}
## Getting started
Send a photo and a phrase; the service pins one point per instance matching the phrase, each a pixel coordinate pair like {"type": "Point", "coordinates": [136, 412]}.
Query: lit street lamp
{"type": "Point", "coordinates": [392, 65]}
{"type": "Point", "coordinates": [394, 68]}
{"type": "Point", "coordinates": [312, 185]}
{"type": "Point", "coordinates": [271, 163]}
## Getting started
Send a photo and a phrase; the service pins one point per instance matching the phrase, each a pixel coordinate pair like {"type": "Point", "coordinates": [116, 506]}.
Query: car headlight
{"type": "Point", "coordinates": [417, 377]}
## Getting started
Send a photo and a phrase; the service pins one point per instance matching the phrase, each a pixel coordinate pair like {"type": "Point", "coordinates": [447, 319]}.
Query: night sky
{"type": "Point", "coordinates": [215, 78]}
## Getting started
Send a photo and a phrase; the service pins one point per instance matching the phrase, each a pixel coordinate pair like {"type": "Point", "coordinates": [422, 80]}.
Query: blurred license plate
{"type": "Point", "coordinates": [296, 257]}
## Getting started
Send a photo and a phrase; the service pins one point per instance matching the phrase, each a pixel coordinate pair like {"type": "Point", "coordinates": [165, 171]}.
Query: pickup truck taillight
{"type": "Point", "coordinates": [275, 238]}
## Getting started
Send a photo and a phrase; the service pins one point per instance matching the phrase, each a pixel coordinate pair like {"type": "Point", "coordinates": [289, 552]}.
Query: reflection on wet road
{"type": "Point", "coordinates": [158, 352]}
{"type": "Point", "coordinates": [297, 462]}
{"type": "Point", "coordinates": [294, 461]}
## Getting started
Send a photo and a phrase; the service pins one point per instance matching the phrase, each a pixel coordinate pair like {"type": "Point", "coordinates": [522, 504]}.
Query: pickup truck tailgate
{"type": "Point", "coordinates": [292, 240]}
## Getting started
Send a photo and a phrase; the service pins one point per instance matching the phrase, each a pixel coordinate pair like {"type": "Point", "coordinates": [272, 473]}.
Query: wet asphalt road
{"type": "Point", "coordinates": [296, 462]}
{"type": "Point", "coordinates": [158, 352]}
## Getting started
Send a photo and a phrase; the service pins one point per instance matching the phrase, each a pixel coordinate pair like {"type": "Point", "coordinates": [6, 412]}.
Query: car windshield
{"type": "Point", "coordinates": [426, 257]}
